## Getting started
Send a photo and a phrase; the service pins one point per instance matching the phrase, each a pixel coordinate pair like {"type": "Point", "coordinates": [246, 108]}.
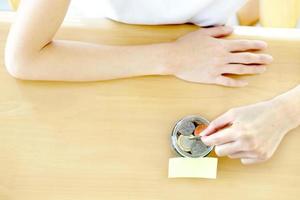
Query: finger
{"type": "Point", "coordinates": [242, 154]}
{"type": "Point", "coordinates": [219, 123]}
{"type": "Point", "coordinates": [243, 69]}
{"type": "Point", "coordinates": [230, 82]}
{"type": "Point", "coordinates": [250, 161]}
{"type": "Point", "coordinates": [219, 31]}
{"type": "Point", "coordinates": [245, 45]}
{"type": "Point", "coordinates": [226, 149]}
{"type": "Point", "coordinates": [250, 58]}
{"type": "Point", "coordinates": [221, 137]}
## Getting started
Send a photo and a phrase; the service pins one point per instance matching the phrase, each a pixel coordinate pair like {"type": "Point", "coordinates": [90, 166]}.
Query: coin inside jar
{"type": "Point", "coordinates": [187, 128]}
{"type": "Point", "coordinates": [185, 143]}
{"type": "Point", "coordinates": [185, 137]}
{"type": "Point", "coordinates": [198, 147]}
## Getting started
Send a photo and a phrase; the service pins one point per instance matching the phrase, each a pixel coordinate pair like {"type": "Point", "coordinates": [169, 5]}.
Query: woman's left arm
{"type": "Point", "coordinates": [252, 133]}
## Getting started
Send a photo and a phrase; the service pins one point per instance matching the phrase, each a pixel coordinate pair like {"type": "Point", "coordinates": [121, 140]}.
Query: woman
{"type": "Point", "coordinates": [202, 57]}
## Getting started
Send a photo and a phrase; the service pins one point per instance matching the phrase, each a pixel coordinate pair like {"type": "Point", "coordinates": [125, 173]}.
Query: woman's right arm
{"type": "Point", "coordinates": [32, 53]}
{"type": "Point", "coordinates": [249, 14]}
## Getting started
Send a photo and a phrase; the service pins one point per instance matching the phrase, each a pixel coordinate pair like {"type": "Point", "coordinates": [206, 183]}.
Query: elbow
{"type": "Point", "coordinates": [14, 69]}
{"type": "Point", "coordinates": [17, 65]}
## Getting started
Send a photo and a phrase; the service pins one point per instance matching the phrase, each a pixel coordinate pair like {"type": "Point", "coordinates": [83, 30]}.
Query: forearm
{"type": "Point", "coordinates": [78, 61]}
{"type": "Point", "coordinates": [32, 54]}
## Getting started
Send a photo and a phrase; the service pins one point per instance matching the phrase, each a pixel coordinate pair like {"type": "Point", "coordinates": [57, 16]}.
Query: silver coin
{"type": "Point", "coordinates": [187, 128]}
{"type": "Point", "coordinates": [198, 148]}
{"type": "Point", "coordinates": [185, 143]}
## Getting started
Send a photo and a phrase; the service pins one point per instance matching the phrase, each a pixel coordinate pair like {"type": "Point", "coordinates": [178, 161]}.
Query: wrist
{"type": "Point", "coordinates": [169, 58]}
{"type": "Point", "coordinates": [287, 106]}
{"type": "Point", "coordinates": [150, 59]}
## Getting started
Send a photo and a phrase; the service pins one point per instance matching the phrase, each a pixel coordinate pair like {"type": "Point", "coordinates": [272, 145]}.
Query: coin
{"type": "Point", "coordinates": [198, 148]}
{"type": "Point", "coordinates": [199, 129]}
{"type": "Point", "coordinates": [185, 143]}
{"type": "Point", "coordinates": [187, 128]}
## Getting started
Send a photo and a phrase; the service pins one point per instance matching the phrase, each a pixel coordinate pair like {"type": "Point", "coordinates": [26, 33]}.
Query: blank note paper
{"type": "Point", "coordinates": [193, 167]}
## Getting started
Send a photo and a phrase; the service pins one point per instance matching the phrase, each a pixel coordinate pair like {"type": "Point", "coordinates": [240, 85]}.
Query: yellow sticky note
{"type": "Point", "coordinates": [193, 167]}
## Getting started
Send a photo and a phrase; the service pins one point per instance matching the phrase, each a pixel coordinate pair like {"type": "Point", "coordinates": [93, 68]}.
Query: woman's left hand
{"type": "Point", "coordinates": [251, 133]}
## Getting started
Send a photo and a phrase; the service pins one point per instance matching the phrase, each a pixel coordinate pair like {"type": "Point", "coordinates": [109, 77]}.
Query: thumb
{"type": "Point", "coordinates": [218, 31]}
{"type": "Point", "coordinates": [250, 161]}
{"type": "Point", "coordinates": [217, 124]}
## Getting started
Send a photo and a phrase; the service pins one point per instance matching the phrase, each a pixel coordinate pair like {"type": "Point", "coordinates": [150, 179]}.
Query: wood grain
{"type": "Point", "coordinates": [111, 140]}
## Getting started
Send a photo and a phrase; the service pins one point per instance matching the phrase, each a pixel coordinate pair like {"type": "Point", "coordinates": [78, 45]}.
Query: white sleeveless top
{"type": "Point", "coordinates": [154, 12]}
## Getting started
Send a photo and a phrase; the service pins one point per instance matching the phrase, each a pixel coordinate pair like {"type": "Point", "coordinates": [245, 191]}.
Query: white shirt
{"type": "Point", "coordinates": [153, 12]}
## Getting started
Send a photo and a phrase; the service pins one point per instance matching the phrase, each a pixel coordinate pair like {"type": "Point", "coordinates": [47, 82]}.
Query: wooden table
{"type": "Point", "coordinates": [111, 140]}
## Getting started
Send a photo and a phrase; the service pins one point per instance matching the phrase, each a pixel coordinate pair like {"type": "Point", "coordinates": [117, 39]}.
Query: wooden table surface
{"type": "Point", "coordinates": [111, 140]}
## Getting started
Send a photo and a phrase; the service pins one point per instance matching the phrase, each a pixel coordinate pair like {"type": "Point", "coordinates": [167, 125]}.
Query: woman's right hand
{"type": "Point", "coordinates": [203, 57]}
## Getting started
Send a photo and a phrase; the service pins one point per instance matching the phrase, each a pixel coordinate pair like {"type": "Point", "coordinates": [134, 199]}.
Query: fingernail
{"type": "Point", "coordinates": [263, 69]}
{"type": "Point", "coordinates": [263, 45]}
{"type": "Point", "coordinates": [204, 138]}
{"type": "Point", "coordinates": [269, 58]}
{"type": "Point", "coordinates": [244, 83]}
{"type": "Point", "coordinates": [203, 133]}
